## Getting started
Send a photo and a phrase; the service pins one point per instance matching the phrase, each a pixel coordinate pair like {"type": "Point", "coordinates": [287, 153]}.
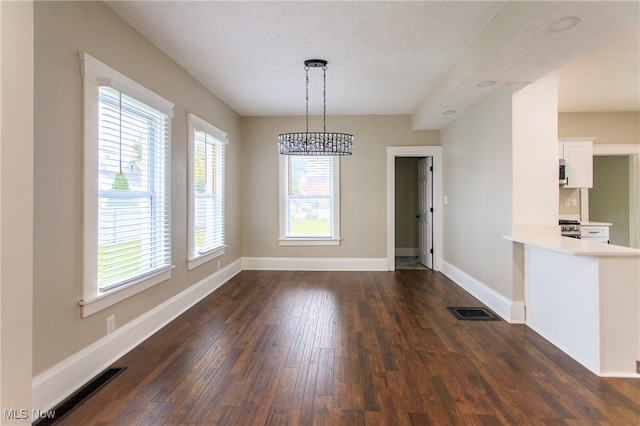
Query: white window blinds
{"type": "Point", "coordinates": [207, 189]}
{"type": "Point", "coordinates": [133, 189]}
{"type": "Point", "coordinates": [309, 198]}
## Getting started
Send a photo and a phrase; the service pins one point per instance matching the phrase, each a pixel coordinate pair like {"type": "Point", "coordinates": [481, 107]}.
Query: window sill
{"type": "Point", "coordinates": [309, 241]}
{"type": "Point", "coordinates": [204, 258]}
{"type": "Point", "coordinates": [103, 300]}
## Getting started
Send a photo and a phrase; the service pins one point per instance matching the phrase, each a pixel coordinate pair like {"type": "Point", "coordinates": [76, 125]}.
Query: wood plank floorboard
{"type": "Point", "coordinates": [350, 348]}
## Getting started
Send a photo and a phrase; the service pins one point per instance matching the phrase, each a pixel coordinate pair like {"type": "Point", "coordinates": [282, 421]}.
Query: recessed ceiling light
{"type": "Point", "coordinates": [564, 23]}
{"type": "Point", "coordinates": [449, 112]}
{"type": "Point", "coordinates": [486, 83]}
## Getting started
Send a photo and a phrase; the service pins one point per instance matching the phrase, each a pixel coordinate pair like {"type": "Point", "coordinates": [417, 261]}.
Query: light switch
{"type": "Point", "coordinates": [567, 202]}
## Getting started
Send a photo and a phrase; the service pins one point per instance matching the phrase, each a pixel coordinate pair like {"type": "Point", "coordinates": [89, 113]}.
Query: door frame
{"type": "Point", "coordinates": [414, 151]}
{"type": "Point", "coordinates": [633, 151]}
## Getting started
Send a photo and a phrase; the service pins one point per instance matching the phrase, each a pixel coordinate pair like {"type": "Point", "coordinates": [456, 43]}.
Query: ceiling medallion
{"type": "Point", "coordinates": [316, 143]}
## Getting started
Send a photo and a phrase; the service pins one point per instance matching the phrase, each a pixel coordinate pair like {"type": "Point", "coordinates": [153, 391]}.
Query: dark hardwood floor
{"type": "Point", "coordinates": [333, 348]}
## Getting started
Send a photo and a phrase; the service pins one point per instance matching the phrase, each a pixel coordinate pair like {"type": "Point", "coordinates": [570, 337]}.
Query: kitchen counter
{"type": "Point", "coordinates": [590, 223]}
{"type": "Point", "coordinates": [584, 297]}
{"type": "Point", "coordinates": [574, 246]}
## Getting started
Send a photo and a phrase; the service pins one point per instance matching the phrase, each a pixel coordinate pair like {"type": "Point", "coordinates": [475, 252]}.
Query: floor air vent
{"type": "Point", "coordinates": [473, 314]}
{"type": "Point", "coordinates": [75, 400]}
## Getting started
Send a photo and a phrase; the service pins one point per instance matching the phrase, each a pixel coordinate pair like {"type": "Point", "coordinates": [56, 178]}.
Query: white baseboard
{"type": "Point", "coordinates": [314, 264]}
{"type": "Point", "coordinates": [623, 375]}
{"type": "Point", "coordinates": [518, 312]}
{"type": "Point", "coordinates": [406, 251]}
{"type": "Point", "coordinates": [57, 383]}
{"type": "Point", "coordinates": [511, 311]}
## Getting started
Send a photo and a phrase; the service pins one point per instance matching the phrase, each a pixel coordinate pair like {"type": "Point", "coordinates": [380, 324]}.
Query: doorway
{"type": "Point", "coordinates": [434, 210]}
{"type": "Point", "coordinates": [414, 211]}
{"type": "Point", "coordinates": [626, 221]}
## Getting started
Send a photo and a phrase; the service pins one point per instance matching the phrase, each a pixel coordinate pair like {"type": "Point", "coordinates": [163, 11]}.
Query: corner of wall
{"type": "Point", "coordinates": [511, 311]}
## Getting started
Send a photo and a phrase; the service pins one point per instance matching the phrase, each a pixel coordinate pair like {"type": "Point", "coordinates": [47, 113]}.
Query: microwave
{"type": "Point", "coordinates": [563, 173]}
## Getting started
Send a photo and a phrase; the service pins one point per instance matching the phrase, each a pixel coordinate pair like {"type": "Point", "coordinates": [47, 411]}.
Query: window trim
{"type": "Point", "coordinates": [197, 124]}
{"type": "Point", "coordinates": [283, 240]}
{"type": "Point", "coordinates": [95, 74]}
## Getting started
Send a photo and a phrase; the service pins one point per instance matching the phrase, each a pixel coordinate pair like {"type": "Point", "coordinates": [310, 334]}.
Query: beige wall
{"type": "Point", "coordinates": [608, 127]}
{"type": "Point", "coordinates": [362, 183]}
{"type": "Point", "coordinates": [571, 211]}
{"type": "Point", "coordinates": [16, 207]}
{"type": "Point", "coordinates": [477, 167]}
{"type": "Point", "coordinates": [61, 31]}
{"type": "Point", "coordinates": [406, 202]}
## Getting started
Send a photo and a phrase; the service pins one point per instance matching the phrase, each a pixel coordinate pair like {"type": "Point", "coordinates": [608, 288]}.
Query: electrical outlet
{"type": "Point", "coordinates": [574, 202]}
{"type": "Point", "coordinates": [218, 265]}
{"type": "Point", "coordinates": [111, 324]}
{"type": "Point", "coordinates": [567, 202]}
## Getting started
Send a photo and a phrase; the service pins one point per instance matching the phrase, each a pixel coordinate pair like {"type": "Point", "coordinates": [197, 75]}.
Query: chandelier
{"type": "Point", "coordinates": [316, 143]}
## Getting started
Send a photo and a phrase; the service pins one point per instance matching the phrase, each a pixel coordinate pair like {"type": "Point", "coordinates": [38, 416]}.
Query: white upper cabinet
{"type": "Point", "coordinates": [578, 156]}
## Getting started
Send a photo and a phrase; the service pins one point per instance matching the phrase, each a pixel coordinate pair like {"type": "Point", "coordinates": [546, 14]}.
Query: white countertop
{"type": "Point", "coordinates": [595, 224]}
{"type": "Point", "coordinates": [574, 246]}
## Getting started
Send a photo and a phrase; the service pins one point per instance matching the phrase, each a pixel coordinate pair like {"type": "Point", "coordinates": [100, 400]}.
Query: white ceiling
{"type": "Point", "coordinates": [416, 57]}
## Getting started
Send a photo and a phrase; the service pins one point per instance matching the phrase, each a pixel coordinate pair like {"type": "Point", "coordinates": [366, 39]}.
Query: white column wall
{"type": "Point", "coordinates": [535, 158]}
{"type": "Point", "coordinates": [16, 211]}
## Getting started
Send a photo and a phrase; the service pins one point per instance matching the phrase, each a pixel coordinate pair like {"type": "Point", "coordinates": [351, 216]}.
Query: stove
{"type": "Point", "coordinates": [570, 228]}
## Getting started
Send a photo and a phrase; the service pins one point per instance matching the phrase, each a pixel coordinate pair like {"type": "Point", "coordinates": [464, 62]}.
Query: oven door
{"type": "Point", "coordinates": [571, 234]}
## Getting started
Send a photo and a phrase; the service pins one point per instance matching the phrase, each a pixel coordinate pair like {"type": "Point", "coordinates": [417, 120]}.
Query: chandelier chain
{"type": "Point", "coordinates": [306, 69]}
{"type": "Point", "coordinates": [324, 100]}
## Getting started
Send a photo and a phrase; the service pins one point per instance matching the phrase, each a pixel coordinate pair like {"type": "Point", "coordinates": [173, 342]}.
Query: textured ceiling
{"type": "Point", "coordinates": [417, 58]}
{"type": "Point", "coordinates": [606, 78]}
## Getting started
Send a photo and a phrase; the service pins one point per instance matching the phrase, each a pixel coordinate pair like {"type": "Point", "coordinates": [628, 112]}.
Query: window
{"type": "Point", "coordinates": [206, 191]}
{"type": "Point", "coordinates": [309, 200]}
{"type": "Point", "coordinates": [126, 203]}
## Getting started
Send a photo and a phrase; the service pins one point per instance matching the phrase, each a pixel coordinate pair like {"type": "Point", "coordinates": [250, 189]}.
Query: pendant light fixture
{"type": "Point", "coordinates": [316, 143]}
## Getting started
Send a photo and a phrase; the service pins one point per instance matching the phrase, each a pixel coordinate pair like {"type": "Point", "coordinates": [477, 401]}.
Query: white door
{"type": "Point", "coordinates": [425, 212]}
